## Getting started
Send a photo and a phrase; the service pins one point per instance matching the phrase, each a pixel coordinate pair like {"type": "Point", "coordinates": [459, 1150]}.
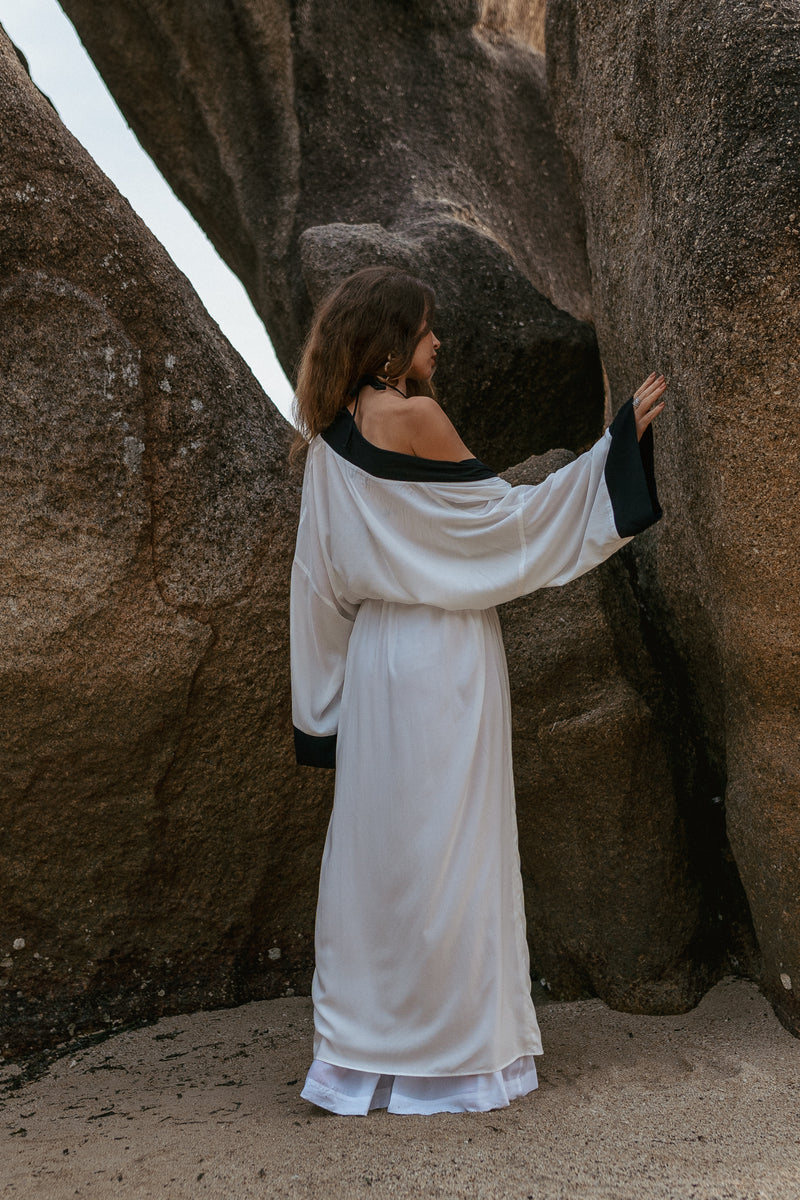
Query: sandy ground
{"type": "Point", "coordinates": [694, 1107]}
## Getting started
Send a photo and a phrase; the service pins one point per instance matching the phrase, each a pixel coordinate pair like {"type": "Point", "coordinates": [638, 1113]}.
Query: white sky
{"type": "Point", "coordinates": [62, 69]}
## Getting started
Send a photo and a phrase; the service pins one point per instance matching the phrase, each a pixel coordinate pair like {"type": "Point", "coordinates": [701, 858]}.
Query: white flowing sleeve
{"type": "Point", "coordinates": [583, 513]}
{"type": "Point", "coordinates": [579, 516]}
{"type": "Point", "coordinates": [476, 545]}
{"type": "Point", "coordinates": [320, 626]}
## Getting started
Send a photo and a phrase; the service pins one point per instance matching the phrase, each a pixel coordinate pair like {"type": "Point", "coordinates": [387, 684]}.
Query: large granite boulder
{"type": "Point", "coordinates": [149, 799]}
{"type": "Point", "coordinates": [682, 125]}
{"type": "Point", "coordinates": [414, 123]}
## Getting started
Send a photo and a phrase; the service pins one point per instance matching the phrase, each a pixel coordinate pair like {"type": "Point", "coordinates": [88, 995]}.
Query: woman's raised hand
{"type": "Point", "coordinates": [647, 403]}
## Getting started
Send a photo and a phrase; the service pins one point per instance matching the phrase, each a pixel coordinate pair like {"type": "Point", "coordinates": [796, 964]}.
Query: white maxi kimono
{"type": "Point", "coordinates": [422, 986]}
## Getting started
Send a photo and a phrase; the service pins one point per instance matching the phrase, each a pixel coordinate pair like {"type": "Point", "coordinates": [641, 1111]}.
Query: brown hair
{"type": "Point", "coordinates": [373, 317]}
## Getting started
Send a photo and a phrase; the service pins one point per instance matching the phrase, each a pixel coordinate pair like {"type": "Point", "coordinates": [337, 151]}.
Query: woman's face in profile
{"type": "Point", "coordinates": [423, 364]}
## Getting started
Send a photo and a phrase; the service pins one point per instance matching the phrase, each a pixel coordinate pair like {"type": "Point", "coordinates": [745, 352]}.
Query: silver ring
{"type": "Point", "coordinates": [637, 400]}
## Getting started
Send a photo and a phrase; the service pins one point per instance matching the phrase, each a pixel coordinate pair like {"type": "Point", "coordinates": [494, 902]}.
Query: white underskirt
{"type": "Point", "coordinates": [355, 1093]}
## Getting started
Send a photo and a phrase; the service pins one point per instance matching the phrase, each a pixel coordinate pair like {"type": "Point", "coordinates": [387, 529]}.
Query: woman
{"type": "Point", "coordinates": [405, 545]}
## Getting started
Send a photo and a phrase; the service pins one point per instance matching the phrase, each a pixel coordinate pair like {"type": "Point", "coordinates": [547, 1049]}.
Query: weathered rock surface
{"type": "Point", "coordinates": [413, 123]}
{"type": "Point", "coordinates": [524, 19]}
{"type": "Point", "coordinates": [682, 122]}
{"type": "Point", "coordinates": [147, 521]}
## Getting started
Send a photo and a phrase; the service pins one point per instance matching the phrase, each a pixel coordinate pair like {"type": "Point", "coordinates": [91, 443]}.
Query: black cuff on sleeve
{"type": "Point", "coordinates": [630, 475]}
{"type": "Point", "coordinates": [313, 751]}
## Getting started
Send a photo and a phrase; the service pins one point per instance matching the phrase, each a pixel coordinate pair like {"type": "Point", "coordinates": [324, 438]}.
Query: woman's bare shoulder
{"type": "Point", "coordinates": [430, 432]}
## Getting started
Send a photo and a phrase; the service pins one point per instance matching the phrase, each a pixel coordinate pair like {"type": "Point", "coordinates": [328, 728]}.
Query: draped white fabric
{"type": "Point", "coordinates": [422, 967]}
{"type": "Point", "coordinates": [421, 958]}
{"type": "Point", "coordinates": [355, 1093]}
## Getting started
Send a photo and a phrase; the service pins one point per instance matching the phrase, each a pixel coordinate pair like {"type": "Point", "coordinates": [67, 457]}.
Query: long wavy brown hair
{"type": "Point", "coordinates": [370, 324]}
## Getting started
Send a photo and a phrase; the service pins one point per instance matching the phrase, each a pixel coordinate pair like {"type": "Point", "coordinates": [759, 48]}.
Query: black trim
{"type": "Point", "coordinates": [379, 385]}
{"type": "Point", "coordinates": [630, 475]}
{"type": "Point", "coordinates": [344, 436]}
{"type": "Point", "coordinates": [313, 751]}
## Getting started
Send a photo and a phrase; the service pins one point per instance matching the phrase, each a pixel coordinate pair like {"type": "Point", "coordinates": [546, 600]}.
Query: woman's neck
{"type": "Point", "coordinates": [399, 385]}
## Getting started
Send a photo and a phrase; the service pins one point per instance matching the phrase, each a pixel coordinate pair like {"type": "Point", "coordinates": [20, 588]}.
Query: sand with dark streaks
{"type": "Point", "coordinates": [701, 1106]}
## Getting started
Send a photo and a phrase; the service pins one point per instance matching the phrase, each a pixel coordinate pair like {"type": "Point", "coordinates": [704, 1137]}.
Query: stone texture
{"type": "Point", "coordinates": [147, 794]}
{"type": "Point", "coordinates": [682, 124]}
{"type": "Point", "coordinates": [523, 19]}
{"type": "Point", "coordinates": [414, 123]}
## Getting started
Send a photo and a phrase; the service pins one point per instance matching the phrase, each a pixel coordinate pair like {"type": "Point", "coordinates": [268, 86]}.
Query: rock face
{"type": "Point", "coordinates": [147, 523]}
{"type": "Point", "coordinates": [523, 19]}
{"type": "Point", "coordinates": [682, 124]}
{"type": "Point", "coordinates": [425, 132]}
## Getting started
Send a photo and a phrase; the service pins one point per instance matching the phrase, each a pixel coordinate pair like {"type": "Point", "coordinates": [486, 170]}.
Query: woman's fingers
{"type": "Point", "coordinates": [647, 402]}
{"type": "Point", "coordinates": [650, 390]}
{"type": "Point", "coordinates": [645, 419]}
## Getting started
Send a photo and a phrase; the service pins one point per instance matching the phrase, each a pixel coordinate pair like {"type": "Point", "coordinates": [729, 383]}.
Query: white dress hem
{"type": "Point", "coordinates": [348, 1092]}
